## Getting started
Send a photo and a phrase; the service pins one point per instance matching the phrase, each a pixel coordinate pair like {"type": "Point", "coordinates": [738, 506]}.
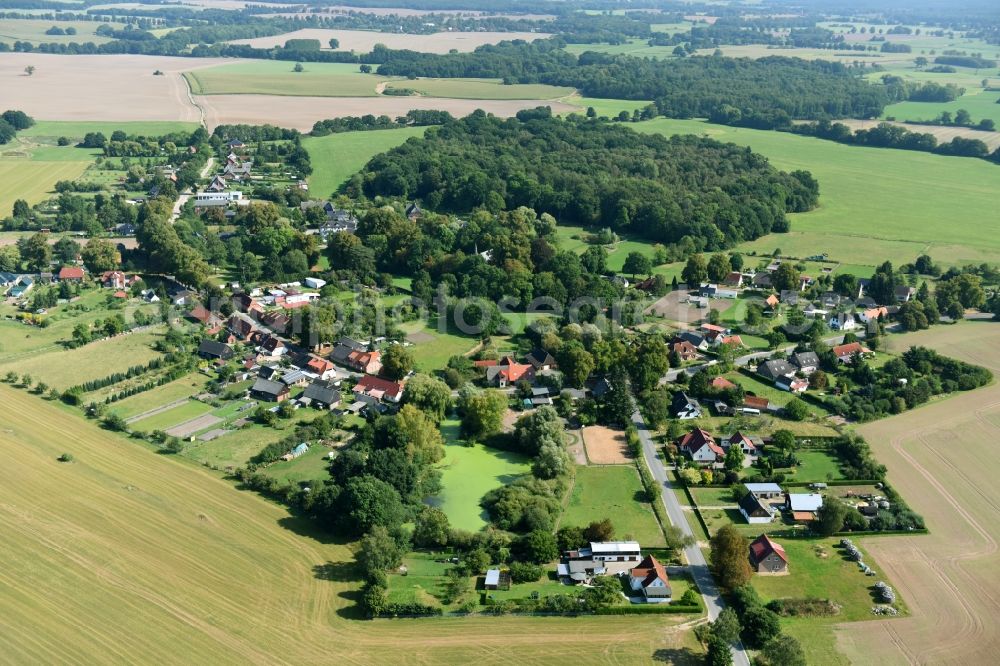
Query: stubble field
{"type": "Point", "coordinates": [363, 41]}
{"type": "Point", "coordinates": [124, 555]}
{"type": "Point", "coordinates": [942, 458]}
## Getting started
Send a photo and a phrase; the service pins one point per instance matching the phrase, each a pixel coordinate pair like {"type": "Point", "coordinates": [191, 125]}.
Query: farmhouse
{"type": "Point", "coordinates": [700, 446]}
{"type": "Point", "coordinates": [599, 558]}
{"type": "Point", "coordinates": [803, 506]}
{"type": "Point", "coordinates": [271, 391]}
{"type": "Point", "coordinates": [117, 280]}
{"type": "Point", "coordinates": [321, 394]}
{"type": "Point", "coordinates": [749, 444]}
{"type": "Point", "coordinates": [845, 353]}
{"type": "Point", "coordinates": [768, 557]}
{"type": "Point", "coordinates": [210, 349]}
{"type": "Point", "coordinates": [650, 578]}
{"type": "Point", "coordinates": [684, 407]}
{"type": "Point", "coordinates": [755, 510]}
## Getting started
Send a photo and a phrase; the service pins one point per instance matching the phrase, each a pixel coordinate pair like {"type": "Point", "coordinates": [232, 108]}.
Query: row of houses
{"type": "Point", "coordinates": [791, 373]}
{"type": "Point", "coordinates": [762, 502]}
{"type": "Point", "coordinates": [702, 448]}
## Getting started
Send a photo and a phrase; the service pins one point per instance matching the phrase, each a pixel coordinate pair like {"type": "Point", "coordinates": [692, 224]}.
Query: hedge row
{"type": "Point", "coordinates": [653, 491]}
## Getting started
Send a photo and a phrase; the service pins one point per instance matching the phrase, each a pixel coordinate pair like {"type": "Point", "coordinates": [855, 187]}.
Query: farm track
{"type": "Point", "coordinates": [158, 410]}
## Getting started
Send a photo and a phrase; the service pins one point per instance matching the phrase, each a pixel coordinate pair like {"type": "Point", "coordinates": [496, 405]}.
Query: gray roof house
{"type": "Point", "coordinates": [775, 368]}
{"type": "Point", "coordinates": [322, 394]}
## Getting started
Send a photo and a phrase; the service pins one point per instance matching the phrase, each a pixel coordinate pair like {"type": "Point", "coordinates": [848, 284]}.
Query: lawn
{"type": "Point", "coordinates": [309, 466]}
{"type": "Point", "coordinates": [33, 181]}
{"type": "Point", "coordinates": [468, 473]}
{"type": "Point", "coordinates": [432, 348]}
{"type": "Point", "coordinates": [765, 390]}
{"type": "Point", "coordinates": [818, 569]}
{"type": "Point", "coordinates": [875, 204]}
{"type": "Point", "coordinates": [815, 466]}
{"type": "Point", "coordinates": [174, 416]}
{"type": "Point", "coordinates": [713, 496]}
{"type": "Point", "coordinates": [423, 582]}
{"type": "Point", "coordinates": [546, 586]}
{"type": "Point", "coordinates": [236, 448]}
{"type": "Point", "coordinates": [763, 425]}
{"type": "Point", "coordinates": [184, 387]}
{"type": "Point", "coordinates": [613, 492]}
{"type": "Point", "coordinates": [61, 369]}
{"type": "Point", "coordinates": [337, 157]}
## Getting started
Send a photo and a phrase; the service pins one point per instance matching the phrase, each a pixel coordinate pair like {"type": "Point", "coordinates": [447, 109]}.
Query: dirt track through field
{"type": "Point", "coordinates": [158, 410]}
{"type": "Point", "coordinates": [189, 428]}
{"type": "Point", "coordinates": [943, 459]}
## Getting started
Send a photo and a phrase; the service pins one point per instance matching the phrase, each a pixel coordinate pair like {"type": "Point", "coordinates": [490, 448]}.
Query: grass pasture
{"type": "Point", "coordinates": [875, 204]}
{"type": "Point", "coordinates": [468, 473]}
{"type": "Point", "coordinates": [613, 492]}
{"type": "Point", "coordinates": [154, 560]}
{"type": "Point", "coordinates": [64, 368]}
{"type": "Point", "coordinates": [336, 157]}
{"type": "Point", "coordinates": [21, 178]}
{"type": "Point", "coordinates": [33, 30]}
{"type": "Point", "coordinates": [174, 416]}
{"type": "Point", "coordinates": [980, 104]}
{"type": "Point", "coordinates": [178, 389]}
{"type": "Point", "coordinates": [608, 108]}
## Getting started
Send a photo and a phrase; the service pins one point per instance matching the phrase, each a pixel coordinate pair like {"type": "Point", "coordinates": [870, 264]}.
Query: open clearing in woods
{"type": "Point", "coordinates": [337, 157]}
{"type": "Point", "coordinates": [129, 556]}
{"type": "Point", "coordinates": [942, 459]}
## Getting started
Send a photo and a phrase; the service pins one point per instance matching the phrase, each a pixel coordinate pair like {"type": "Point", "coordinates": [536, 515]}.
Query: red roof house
{"type": "Point", "coordinates": [376, 389]}
{"type": "Point", "coordinates": [71, 273]}
{"type": "Point", "coordinates": [768, 557]}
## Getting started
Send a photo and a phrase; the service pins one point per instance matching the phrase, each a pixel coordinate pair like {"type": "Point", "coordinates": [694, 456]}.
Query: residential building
{"type": "Point", "coordinates": [697, 340]}
{"type": "Point", "coordinates": [321, 367]}
{"type": "Point", "coordinates": [806, 362]}
{"type": "Point", "coordinates": [767, 556]}
{"type": "Point", "coordinates": [71, 274]}
{"type": "Point", "coordinates": [775, 368]}
{"type": "Point", "coordinates": [845, 353]}
{"type": "Point", "coordinates": [700, 447]}
{"type": "Point", "coordinates": [904, 293]}
{"type": "Point", "coordinates": [765, 490]}
{"type": "Point", "coordinates": [750, 445]}
{"type": "Point", "coordinates": [508, 372]}
{"type": "Point", "coordinates": [650, 579]}
{"type": "Point", "coordinates": [540, 359]}
{"type": "Point", "coordinates": [211, 349]}
{"type": "Point", "coordinates": [321, 394]}
{"type": "Point", "coordinates": [872, 314]}
{"type": "Point", "coordinates": [684, 407]}
{"type": "Point", "coordinates": [684, 349]}
{"type": "Point", "coordinates": [791, 384]}
{"type": "Point", "coordinates": [842, 321]}
{"type": "Point", "coordinates": [368, 362]}
{"type": "Point", "coordinates": [373, 390]}
{"type": "Point", "coordinates": [268, 390]}
{"type": "Point", "coordinates": [755, 510]}
{"type": "Point", "coordinates": [722, 384]}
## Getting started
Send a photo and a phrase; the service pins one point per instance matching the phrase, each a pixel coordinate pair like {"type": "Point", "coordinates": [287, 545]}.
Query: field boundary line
{"type": "Point", "coordinates": [157, 410]}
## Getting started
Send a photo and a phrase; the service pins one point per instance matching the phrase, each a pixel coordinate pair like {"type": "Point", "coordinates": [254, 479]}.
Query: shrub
{"type": "Point", "coordinates": [66, 457]}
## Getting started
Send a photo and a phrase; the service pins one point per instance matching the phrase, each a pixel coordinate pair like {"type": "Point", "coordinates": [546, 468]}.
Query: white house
{"type": "Point", "coordinates": [755, 510]}
{"type": "Point", "coordinates": [650, 578]}
{"type": "Point", "coordinates": [314, 283]}
{"type": "Point", "coordinates": [701, 447]}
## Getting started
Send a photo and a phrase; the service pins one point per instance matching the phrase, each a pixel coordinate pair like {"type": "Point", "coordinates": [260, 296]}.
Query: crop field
{"type": "Point", "coordinates": [363, 41]}
{"type": "Point", "coordinates": [942, 459]}
{"type": "Point", "coordinates": [605, 107]}
{"type": "Point", "coordinates": [875, 204]}
{"type": "Point", "coordinates": [301, 112]}
{"type": "Point", "coordinates": [53, 129]}
{"type": "Point", "coordinates": [61, 369]}
{"type": "Point", "coordinates": [468, 473]}
{"type": "Point", "coordinates": [32, 30]}
{"type": "Point", "coordinates": [153, 559]}
{"type": "Point", "coordinates": [634, 47]}
{"type": "Point", "coordinates": [337, 157]}
{"type": "Point", "coordinates": [270, 77]}
{"type": "Point", "coordinates": [613, 492]}
{"type": "Point", "coordinates": [942, 133]}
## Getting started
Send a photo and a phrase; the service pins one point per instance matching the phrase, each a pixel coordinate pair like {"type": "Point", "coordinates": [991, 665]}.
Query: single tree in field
{"type": "Point", "coordinates": [298, 67]}
{"type": "Point", "coordinates": [731, 557]}
{"type": "Point", "coordinates": [29, 70]}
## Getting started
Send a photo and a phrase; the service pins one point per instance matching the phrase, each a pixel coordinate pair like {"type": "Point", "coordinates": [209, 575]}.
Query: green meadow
{"type": "Point", "coordinates": [337, 157]}
{"type": "Point", "coordinates": [76, 130]}
{"type": "Point", "coordinates": [33, 30]}
{"type": "Point", "coordinates": [608, 108]}
{"type": "Point", "coordinates": [980, 104]}
{"type": "Point", "coordinates": [272, 77]}
{"type": "Point", "coordinates": [875, 203]}
{"type": "Point", "coordinates": [614, 492]}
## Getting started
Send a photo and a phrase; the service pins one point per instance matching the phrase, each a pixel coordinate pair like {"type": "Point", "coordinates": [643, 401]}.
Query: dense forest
{"type": "Point", "coordinates": [759, 93]}
{"type": "Point", "coordinates": [594, 173]}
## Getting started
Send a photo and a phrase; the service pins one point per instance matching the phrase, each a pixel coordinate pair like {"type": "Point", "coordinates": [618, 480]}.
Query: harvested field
{"type": "Point", "coordinates": [942, 133]}
{"type": "Point", "coordinates": [942, 458]}
{"type": "Point", "coordinates": [189, 428]}
{"type": "Point", "coordinates": [302, 112]}
{"type": "Point", "coordinates": [362, 41]}
{"type": "Point", "coordinates": [605, 446]}
{"type": "Point", "coordinates": [105, 87]}
{"type": "Point", "coordinates": [129, 556]}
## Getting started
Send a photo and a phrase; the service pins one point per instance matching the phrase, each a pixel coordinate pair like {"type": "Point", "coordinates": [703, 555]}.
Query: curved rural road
{"type": "Point", "coordinates": [695, 558]}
